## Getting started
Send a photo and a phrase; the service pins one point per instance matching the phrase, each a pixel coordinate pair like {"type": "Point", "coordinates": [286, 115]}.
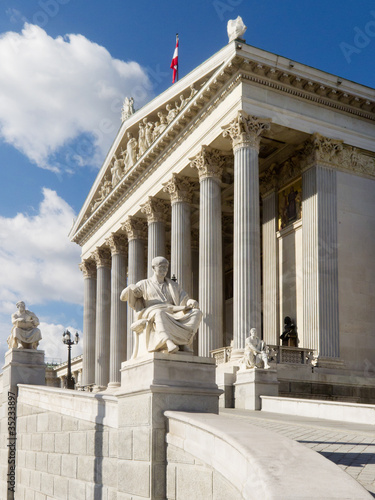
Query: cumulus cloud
{"type": "Point", "coordinates": [55, 90]}
{"type": "Point", "coordinates": [52, 343]}
{"type": "Point", "coordinates": [38, 262]}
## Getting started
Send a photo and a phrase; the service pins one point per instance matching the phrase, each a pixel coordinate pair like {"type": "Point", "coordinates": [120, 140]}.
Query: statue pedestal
{"type": "Point", "coordinates": [150, 386]}
{"type": "Point", "coordinates": [23, 366]}
{"type": "Point", "coordinates": [253, 383]}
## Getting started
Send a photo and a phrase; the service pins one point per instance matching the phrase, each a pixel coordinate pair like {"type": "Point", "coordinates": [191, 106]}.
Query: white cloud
{"type": "Point", "coordinates": [52, 343]}
{"type": "Point", "coordinates": [38, 262]}
{"type": "Point", "coordinates": [53, 90]}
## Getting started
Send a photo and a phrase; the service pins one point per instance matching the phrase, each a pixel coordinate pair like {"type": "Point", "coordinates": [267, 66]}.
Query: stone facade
{"type": "Point", "coordinates": [275, 161]}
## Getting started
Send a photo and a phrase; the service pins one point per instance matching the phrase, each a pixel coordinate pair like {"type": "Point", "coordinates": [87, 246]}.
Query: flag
{"type": "Point", "coordinates": [174, 63]}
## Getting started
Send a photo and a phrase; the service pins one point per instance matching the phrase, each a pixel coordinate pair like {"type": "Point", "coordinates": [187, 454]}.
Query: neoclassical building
{"type": "Point", "coordinates": [255, 176]}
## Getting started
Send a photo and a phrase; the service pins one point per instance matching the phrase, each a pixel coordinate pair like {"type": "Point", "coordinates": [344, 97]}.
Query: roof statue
{"type": "Point", "coordinates": [235, 28]}
{"type": "Point", "coordinates": [127, 108]}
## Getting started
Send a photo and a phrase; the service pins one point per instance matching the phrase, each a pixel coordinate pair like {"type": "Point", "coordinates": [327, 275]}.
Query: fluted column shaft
{"type": "Point", "coordinates": [103, 317]}
{"type": "Point", "coordinates": [209, 163]}
{"type": "Point", "coordinates": [136, 232]}
{"type": "Point", "coordinates": [156, 211]}
{"type": "Point", "coordinates": [245, 132]}
{"type": "Point", "coordinates": [270, 313]}
{"type": "Point", "coordinates": [180, 189]}
{"type": "Point", "coordinates": [320, 264]}
{"type": "Point", "coordinates": [156, 243]}
{"type": "Point", "coordinates": [181, 245]}
{"type": "Point", "coordinates": [89, 322]}
{"type": "Point", "coordinates": [118, 339]}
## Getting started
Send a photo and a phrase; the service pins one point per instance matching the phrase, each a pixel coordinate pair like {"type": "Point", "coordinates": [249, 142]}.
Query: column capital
{"type": "Point", "coordinates": [135, 228]}
{"type": "Point", "coordinates": [246, 130]}
{"type": "Point", "coordinates": [117, 244]}
{"type": "Point", "coordinates": [88, 268]}
{"type": "Point", "coordinates": [209, 162]}
{"type": "Point", "coordinates": [102, 257]}
{"type": "Point", "coordinates": [320, 149]}
{"type": "Point", "coordinates": [155, 209]}
{"type": "Point", "coordinates": [179, 188]}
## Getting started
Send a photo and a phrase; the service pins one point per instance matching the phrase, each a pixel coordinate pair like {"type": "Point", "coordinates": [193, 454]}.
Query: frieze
{"type": "Point", "coordinates": [246, 130]}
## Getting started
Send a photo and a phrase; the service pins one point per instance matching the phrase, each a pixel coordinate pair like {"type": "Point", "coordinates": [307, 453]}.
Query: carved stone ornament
{"type": "Point", "coordinates": [156, 210]}
{"type": "Point", "coordinates": [180, 189]}
{"type": "Point", "coordinates": [320, 149]}
{"type": "Point", "coordinates": [246, 130]}
{"type": "Point", "coordinates": [117, 243]}
{"type": "Point", "coordinates": [88, 268]}
{"type": "Point", "coordinates": [268, 180]}
{"type": "Point", "coordinates": [135, 228]}
{"type": "Point", "coordinates": [235, 28]}
{"type": "Point", "coordinates": [209, 163]}
{"type": "Point", "coordinates": [102, 257]}
{"type": "Point", "coordinates": [127, 108]}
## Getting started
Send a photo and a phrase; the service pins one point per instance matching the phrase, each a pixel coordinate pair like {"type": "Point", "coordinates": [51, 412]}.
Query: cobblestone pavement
{"type": "Point", "coordinates": [350, 446]}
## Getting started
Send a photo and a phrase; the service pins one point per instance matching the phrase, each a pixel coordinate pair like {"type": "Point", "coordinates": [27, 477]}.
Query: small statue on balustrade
{"type": "Point", "coordinates": [256, 352]}
{"type": "Point", "coordinates": [289, 336]}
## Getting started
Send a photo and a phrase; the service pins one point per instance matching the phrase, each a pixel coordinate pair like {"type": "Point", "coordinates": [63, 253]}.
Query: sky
{"type": "Point", "coordinates": [66, 67]}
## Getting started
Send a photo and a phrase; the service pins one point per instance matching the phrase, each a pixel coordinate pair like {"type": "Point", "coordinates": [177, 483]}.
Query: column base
{"type": "Point", "coordinates": [99, 388]}
{"type": "Point", "coordinates": [113, 387]}
{"type": "Point", "coordinates": [253, 383]}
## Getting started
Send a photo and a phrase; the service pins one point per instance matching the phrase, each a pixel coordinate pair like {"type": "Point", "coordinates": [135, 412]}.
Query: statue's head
{"type": "Point", "coordinates": [253, 332]}
{"type": "Point", "coordinates": [20, 305]}
{"type": "Point", "coordinates": [160, 266]}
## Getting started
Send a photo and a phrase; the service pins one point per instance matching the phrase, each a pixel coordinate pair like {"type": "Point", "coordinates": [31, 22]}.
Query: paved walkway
{"type": "Point", "coordinates": [350, 446]}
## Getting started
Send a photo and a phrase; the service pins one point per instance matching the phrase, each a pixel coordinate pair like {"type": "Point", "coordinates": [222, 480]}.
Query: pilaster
{"type": "Point", "coordinates": [320, 259]}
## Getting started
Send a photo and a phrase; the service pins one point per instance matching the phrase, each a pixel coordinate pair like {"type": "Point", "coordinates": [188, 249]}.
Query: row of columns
{"type": "Point", "coordinates": [112, 335]}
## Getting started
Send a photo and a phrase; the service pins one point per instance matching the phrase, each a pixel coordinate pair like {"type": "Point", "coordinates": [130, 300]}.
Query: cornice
{"type": "Point", "coordinates": [232, 72]}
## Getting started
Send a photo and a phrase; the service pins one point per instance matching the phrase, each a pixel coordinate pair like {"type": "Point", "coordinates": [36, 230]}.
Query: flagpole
{"type": "Point", "coordinates": [178, 47]}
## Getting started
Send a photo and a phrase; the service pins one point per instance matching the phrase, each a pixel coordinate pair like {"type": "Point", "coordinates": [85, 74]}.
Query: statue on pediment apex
{"type": "Point", "coordinates": [127, 108]}
{"type": "Point", "coordinates": [236, 29]}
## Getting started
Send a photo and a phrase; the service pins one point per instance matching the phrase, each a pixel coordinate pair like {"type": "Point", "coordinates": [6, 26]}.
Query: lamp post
{"type": "Point", "coordinates": [67, 339]}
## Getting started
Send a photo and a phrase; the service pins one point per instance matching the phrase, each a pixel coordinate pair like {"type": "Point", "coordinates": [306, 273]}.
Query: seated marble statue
{"type": "Point", "coordinates": [166, 318]}
{"type": "Point", "coordinates": [256, 352]}
{"type": "Point", "coordinates": [24, 332]}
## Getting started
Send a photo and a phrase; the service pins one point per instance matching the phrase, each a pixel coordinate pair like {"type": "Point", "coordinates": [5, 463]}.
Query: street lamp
{"type": "Point", "coordinates": [67, 339]}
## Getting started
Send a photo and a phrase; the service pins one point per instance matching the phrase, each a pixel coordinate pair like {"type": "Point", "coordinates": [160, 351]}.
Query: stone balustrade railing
{"type": "Point", "coordinates": [278, 353]}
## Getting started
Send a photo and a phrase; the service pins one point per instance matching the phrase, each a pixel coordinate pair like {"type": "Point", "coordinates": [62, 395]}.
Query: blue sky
{"type": "Point", "coordinates": [63, 77]}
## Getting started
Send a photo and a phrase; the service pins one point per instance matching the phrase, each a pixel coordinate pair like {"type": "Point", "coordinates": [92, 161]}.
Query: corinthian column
{"type": "Point", "coordinates": [319, 236]}
{"type": "Point", "coordinates": [135, 229]}
{"type": "Point", "coordinates": [102, 257]}
{"type": "Point", "coordinates": [118, 340]}
{"type": "Point", "coordinates": [245, 132]}
{"type": "Point", "coordinates": [209, 163]}
{"type": "Point", "coordinates": [156, 211]}
{"type": "Point", "coordinates": [88, 269]}
{"type": "Point", "coordinates": [180, 190]}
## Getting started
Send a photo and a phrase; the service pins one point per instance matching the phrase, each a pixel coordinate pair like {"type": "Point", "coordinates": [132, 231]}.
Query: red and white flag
{"type": "Point", "coordinates": [174, 63]}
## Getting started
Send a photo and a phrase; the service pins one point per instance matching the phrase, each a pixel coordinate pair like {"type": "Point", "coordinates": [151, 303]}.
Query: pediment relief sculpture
{"type": "Point", "coordinates": [148, 132]}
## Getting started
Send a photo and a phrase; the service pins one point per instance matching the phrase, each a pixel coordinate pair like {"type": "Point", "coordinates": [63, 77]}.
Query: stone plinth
{"type": "Point", "coordinates": [150, 386]}
{"type": "Point", "coordinates": [23, 366]}
{"type": "Point", "coordinates": [253, 383]}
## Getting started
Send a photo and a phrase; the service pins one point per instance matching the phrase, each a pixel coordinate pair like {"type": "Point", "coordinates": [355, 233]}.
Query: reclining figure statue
{"type": "Point", "coordinates": [167, 318]}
